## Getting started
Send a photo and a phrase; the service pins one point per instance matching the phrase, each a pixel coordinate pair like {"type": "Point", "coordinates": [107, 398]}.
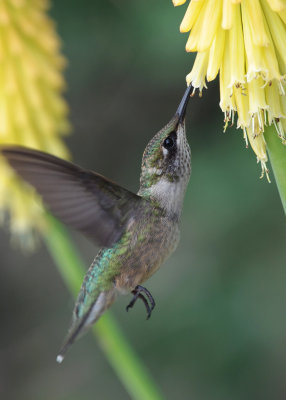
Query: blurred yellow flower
{"type": "Point", "coordinates": [32, 110]}
{"type": "Point", "coordinates": [245, 41]}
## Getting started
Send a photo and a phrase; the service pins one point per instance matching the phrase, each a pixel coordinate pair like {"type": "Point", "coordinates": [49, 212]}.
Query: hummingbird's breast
{"type": "Point", "coordinates": [149, 241]}
{"type": "Point", "coordinates": [151, 236]}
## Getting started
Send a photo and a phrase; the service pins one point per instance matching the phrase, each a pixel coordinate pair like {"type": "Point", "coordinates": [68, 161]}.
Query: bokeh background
{"type": "Point", "coordinates": [219, 328]}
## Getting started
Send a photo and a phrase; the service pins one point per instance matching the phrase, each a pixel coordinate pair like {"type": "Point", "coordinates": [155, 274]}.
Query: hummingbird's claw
{"type": "Point", "coordinates": [138, 294]}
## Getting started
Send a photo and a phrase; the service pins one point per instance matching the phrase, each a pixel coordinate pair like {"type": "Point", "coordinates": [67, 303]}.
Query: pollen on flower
{"type": "Point", "coordinates": [33, 112]}
{"type": "Point", "coordinates": [245, 42]}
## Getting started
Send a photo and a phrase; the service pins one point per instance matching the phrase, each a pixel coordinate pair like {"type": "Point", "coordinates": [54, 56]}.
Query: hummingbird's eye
{"type": "Point", "coordinates": [168, 143]}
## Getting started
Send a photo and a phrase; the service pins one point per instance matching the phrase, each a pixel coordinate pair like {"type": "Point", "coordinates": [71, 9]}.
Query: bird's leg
{"type": "Point", "coordinates": [148, 294]}
{"type": "Point", "coordinates": [138, 294]}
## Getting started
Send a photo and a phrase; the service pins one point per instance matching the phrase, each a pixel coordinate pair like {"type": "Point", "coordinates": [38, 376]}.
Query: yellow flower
{"type": "Point", "coordinates": [32, 110]}
{"type": "Point", "coordinates": [245, 41]}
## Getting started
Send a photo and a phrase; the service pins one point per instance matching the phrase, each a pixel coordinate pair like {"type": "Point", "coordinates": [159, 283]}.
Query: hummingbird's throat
{"type": "Point", "coordinates": [167, 194]}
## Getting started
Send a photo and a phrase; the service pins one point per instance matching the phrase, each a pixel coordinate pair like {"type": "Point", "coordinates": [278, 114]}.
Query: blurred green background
{"type": "Point", "coordinates": [219, 328]}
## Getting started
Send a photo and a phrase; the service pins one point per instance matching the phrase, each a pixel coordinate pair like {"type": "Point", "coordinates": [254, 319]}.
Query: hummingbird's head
{"type": "Point", "coordinates": [166, 163]}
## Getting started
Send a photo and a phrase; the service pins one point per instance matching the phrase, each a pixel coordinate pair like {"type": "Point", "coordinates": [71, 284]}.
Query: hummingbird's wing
{"type": "Point", "coordinates": [82, 199]}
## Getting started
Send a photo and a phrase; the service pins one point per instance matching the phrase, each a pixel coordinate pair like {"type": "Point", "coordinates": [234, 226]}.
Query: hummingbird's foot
{"type": "Point", "coordinates": [139, 295]}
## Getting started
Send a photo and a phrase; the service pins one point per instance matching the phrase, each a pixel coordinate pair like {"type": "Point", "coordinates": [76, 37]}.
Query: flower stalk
{"type": "Point", "coordinates": [277, 155]}
{"type": "Point", "coordinates": [126, 364]}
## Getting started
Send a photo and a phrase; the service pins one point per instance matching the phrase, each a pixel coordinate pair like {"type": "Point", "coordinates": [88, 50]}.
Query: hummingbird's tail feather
{"type": "Point", "coordinates": [71, 337]}
{"type": "Point", "coordinates": [82, 322]}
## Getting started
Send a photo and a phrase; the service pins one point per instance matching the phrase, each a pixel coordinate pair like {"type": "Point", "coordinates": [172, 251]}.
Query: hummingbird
{"type": "Point", "coordinates": [136, 232]}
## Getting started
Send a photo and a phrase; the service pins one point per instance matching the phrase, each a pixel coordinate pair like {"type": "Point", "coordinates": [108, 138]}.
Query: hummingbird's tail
{"type": "Point", "coordinates": [72, 336]}
{"type": "Point", "coordinates": [81, 323]}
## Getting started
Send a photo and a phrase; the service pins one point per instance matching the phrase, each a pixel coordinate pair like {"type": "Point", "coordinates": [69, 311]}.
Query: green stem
{"type": "Point", "coordinates": [124, 361]}
{"type": "Point", "coordinates": [277, 154]}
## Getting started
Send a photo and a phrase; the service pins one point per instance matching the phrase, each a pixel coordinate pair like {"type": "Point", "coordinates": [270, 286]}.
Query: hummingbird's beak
{"type": "Point", "coordinates": [181, 111]}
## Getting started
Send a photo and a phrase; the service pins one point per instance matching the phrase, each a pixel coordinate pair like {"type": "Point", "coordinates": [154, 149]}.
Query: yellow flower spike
{"type": "Point", "coordinates": [245, 42]}
{"type": "Point", "coordinates": [32, 110]}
